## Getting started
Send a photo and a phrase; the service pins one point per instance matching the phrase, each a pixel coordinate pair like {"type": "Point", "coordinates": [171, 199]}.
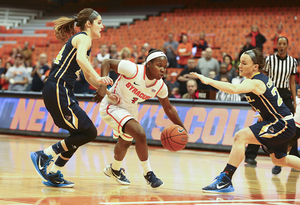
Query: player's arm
{"type": "Point", "coordinates": [255, 86]}
{"type": "Point", "coordinates": [292, 82]}
{"type": "Point", "coordinates": [83, 44]}
{"type": "Point", "coordinates": [170, 111]}
{"type": "Point", "coordinates": [106, 66]}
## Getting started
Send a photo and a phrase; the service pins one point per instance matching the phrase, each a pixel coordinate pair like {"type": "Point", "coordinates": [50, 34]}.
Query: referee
{"type": "Point", "coordinates": [281, 69]}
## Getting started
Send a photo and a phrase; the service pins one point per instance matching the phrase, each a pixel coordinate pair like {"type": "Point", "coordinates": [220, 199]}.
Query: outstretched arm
{"type": "Point", "coordinates": [255, 86]}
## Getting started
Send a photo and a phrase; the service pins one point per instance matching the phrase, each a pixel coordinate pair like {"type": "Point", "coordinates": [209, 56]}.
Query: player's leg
{"type": "Point", "coordinates": [133, 128]}
{"type": "Point", "coordinates": [114, 170]}
{"type": "Point", "coordinates": [72, 143]}
{"type": "Point", "coordinates": [287, 161]}
{"type": "Point", "coordinates": [223, 181]}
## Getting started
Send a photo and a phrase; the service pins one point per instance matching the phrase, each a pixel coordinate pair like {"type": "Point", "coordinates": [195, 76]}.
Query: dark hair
{"type": "Point", "coordinates": [284, 38]}
{"type": "Point", "coordinates": [225, 76]}
{"type": "Point", "coordinates": [260, 58]}
{"type": "Point", "coordinates": [64, 26]}
{"type": "Point", "coordinates": [228, 57]}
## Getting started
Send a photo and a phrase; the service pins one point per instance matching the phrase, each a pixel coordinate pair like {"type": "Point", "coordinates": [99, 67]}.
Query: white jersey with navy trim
{"type": "Point", "coordinates": [131, 85]}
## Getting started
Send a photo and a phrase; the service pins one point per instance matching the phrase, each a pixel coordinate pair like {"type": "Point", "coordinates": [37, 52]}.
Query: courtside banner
{"type": "Point", "coordinates": [207, 121]}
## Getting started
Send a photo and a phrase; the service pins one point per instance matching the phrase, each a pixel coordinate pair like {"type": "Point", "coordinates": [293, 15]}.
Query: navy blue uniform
{"type": "Point", "coordinates": [58, 93]}
{"type": "Point", "coordinates": [278, 125]}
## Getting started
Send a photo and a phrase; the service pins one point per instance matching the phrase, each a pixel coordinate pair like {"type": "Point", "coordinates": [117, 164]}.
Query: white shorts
{"type": "Point", "coordinates": [116, 116]}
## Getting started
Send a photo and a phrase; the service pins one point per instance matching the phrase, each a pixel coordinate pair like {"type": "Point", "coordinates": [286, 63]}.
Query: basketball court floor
{"type": "Point", "coordinates": [184, 174]}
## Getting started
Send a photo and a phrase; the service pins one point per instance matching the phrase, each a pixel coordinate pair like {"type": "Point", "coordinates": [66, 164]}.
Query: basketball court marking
{"type": "Point", "coordinates": [202, 202]}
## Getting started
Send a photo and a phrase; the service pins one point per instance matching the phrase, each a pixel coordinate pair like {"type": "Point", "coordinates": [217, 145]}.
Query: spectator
{"type": "Point", "coordinates": [185, 76]}
{"type": "Point", "coordinates": [184, 52]}
{"type": "Point", "coordinates": [142, 57]}
{"type": "Point", "coordinates": [95, 64]}
{"type": "Point", "coordinates": [203, 54]}
{"type": "Point", "coordinates": [125, 54]}
{"type": "Point", "coordinates": [135, 53]}
{"type": "Point", "coordinates": [192, 89]}
{"type": "Point", "coordinates": [207, 64]}
{"type": "Point", "coordinates": [113, 52]}
{"type": "Point", "coordinates": [231, 70]}
{"type": "Point", "coordinates": [103, 54]}
{"type": "Point", "coordinates": [38, 73]}
{"type": "Point", "coordinates": [278, 33]}
{"type": "Point", "coordinates": [237, 80]}
{"type": "Point", "coordinates": [113, 55]}
{"type": "Point", "coordinates": [27, 54]}
{"type": "Point", "coordinates": [201, 45]}
{"type": "Point", "coordinates": [175, 93]}
{"type": "Point", "coordinates": [222, 96]}
{"type": "Point", "coordinates": [257, 39]}
{"type": "Point", "coordinates": [170, 49]}
{"type": "Point", "coordinates": [247, 46]}
{"type": "Point", "coordinates": [13, 55]}
{"type": "Point", "coordinates": [223, 72]}
{"type": "Point", "coordinates": [3, 82]}
{"type": "Point", "coordinates": [17, 75]}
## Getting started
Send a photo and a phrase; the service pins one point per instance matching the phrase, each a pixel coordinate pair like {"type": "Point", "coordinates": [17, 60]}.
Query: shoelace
{"type": "Point", "coordinates": [220, 177]}
{"type": "Point", "coordinates": [47, 163]}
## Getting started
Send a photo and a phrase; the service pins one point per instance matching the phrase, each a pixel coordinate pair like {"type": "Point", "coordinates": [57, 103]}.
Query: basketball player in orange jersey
{"type": "Point", "coordinates": [59, 98]}
{"type": "Point", "coordinates": [135, 84]}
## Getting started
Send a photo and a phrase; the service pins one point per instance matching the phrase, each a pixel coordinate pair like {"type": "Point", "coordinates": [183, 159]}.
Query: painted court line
{"type": "Point", "coordinates": [204, 201]}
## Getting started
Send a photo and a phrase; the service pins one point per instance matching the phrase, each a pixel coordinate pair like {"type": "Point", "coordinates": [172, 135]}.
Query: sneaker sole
{"type": "Point", "coordinates": [33, 159]}
{"type": "Point", "coordinates": [219, 191]}
{"type": "Point", "coordinates": [107, 173]}
{"type": "Point", "coordinates": [58, 185]}
{"type": "Point", "coordinates": [158, 186]}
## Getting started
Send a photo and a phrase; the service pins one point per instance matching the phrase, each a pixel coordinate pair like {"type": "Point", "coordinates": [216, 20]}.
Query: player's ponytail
{"type": "Point", "coordinates": [64, 26]}
{"type": "Point", "coordinates": [260, 59]}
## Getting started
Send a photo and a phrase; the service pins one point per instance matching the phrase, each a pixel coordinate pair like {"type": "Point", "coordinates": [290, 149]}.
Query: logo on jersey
{"type": "Point", "coordinates": [138, 93]}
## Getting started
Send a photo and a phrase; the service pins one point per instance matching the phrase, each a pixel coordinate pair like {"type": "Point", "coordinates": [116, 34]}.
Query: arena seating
{"type": "Point", "coordinates": [225, 28]}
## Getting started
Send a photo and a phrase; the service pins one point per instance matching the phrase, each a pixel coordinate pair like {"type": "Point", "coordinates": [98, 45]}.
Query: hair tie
{"type": "Point", "coordinates": [75, 19]}
{"type": "Point", "coordinates": [252, 56]}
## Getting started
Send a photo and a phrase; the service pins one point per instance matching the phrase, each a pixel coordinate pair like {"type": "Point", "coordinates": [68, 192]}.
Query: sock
{"type": "Point", "coordinates": [146, 166]}
{"type": "Point", "coordinates": [229, 170]}
{"type": "Point", "coordinates": [58, 147]}
{"type": "Point", "coordinates": [50, 151]}
{"type": "Point", "coordinates": [55, 168]}
{"type": "Point", "coordinates": [116, 165]}
{"type": "Point", "coordinates": [61, 161]}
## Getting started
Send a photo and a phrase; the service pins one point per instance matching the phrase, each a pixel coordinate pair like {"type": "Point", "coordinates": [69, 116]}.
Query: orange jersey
{"type": "Point", "coordinates": [184, 49]}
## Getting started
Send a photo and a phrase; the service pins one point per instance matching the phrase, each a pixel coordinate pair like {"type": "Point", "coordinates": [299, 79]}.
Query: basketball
{"type": "Point", "coordinates": [174, 138]}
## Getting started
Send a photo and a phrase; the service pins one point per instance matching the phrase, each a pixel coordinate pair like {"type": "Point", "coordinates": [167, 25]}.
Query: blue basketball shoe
{"type": "Point", "coordinates": [152, 180]}
{"type": "Point", "coordinates": [57, 180]}
{"type": "Point", "coordinates": [222, 184]}
{"type": "Point", "coordinates": [41, 161]}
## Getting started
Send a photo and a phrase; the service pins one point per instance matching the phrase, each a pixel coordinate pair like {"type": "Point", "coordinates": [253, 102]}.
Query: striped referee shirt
{"type": "Point", "coordinates": [280, 70]}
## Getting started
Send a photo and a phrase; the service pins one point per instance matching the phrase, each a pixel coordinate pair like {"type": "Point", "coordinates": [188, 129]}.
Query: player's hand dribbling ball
{"type": "Point", "coordinates": [174, 138]}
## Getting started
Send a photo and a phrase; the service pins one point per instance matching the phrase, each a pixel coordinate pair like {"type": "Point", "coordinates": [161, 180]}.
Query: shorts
{"type": "Point", "coordinates": [61, 103]}
{"type": "Point", "coordinates": [275, 136]}
{"type": "Point", "coordinates": [116, 116]}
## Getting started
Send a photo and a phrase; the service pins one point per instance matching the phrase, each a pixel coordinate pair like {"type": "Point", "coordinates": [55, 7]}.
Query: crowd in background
{"type": "Point", "coordinates": [19, 73]}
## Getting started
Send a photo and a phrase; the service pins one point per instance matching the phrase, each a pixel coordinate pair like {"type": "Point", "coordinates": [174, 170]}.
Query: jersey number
{"type": "Point", "coordinates": [134, 100]}
{"type": "Point", "coordinates": [59, 55]}
{"type": "Point", "coordinates": [274, 91]}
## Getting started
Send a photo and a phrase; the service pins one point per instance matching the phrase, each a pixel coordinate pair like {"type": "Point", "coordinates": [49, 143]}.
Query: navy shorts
{"type": "Point", "coordinates": [275, 135]}
{"type": "Point", "coordinates": [61, 103]}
